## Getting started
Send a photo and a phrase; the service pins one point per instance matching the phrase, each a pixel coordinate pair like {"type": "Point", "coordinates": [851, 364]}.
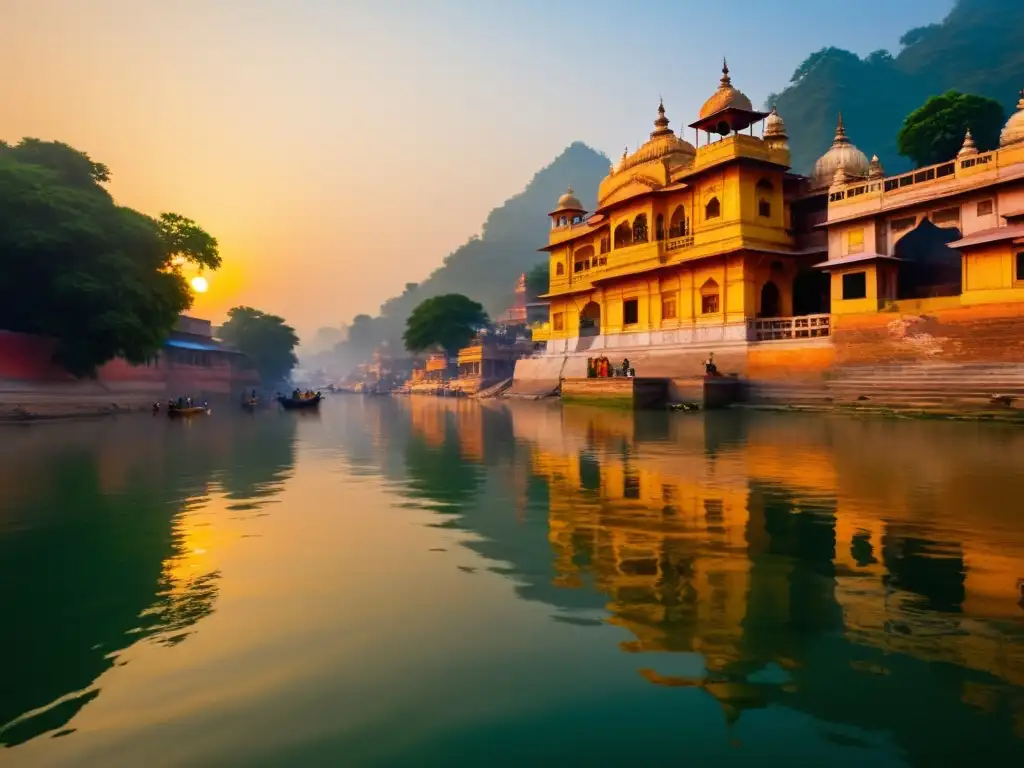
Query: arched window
{"type": "Point", "coordinates": [640, 228]}
{"type": "Point", "coordinates": [559, 269]}
{"type": "Point", "coordinates": [659, 227]}
{"type": "Point", "coordinates": [713, 209]}
{"type": "Point", "coordinates": [583, 259]}
{"type": "Point", "coordinates": [623, 235]}
{"type": "Point", "coordinates": [709, 297]}
{"type": "Point", "coordinates": [764, 197]}
{"type": "Point", "coordinates": [678, 225]}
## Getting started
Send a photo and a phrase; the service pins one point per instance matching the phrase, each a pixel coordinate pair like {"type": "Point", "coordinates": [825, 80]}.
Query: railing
{"type": "Point", "coordinates": [779, 328]}
{"type": "Point", "coordinates": [677, 243]}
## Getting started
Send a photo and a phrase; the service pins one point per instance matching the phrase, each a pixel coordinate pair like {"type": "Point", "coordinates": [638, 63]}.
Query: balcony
{"type": "Point", "coordinates": [787, 328]}
{"type": "Point", "coordinates": [673, 245]}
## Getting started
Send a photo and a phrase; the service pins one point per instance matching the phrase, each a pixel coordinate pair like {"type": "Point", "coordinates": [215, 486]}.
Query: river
{"type": "Point", "coordinates": [424, 582]}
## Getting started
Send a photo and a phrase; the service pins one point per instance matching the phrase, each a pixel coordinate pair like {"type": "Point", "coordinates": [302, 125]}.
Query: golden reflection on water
{"type": "Point", "coordinates": [731, 537]}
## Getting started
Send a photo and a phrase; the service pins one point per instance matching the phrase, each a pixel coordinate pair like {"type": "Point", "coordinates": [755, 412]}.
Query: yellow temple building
{"type": "Point", "coordinates": [719, 243]}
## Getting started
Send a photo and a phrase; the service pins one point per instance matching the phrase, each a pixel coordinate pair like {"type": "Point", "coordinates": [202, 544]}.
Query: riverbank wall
{"type": "Point", "coordinates": [928, 354]}
{"type": "Point", "coordinates": [32, 386]}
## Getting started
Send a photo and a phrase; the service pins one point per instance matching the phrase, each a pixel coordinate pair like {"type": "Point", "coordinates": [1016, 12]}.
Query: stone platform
{"type": "Point", "coordinates": [635, 393]}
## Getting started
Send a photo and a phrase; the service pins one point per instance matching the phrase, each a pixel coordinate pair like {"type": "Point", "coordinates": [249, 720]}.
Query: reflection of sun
{"type": "Point", "coordinates": [199, 284]}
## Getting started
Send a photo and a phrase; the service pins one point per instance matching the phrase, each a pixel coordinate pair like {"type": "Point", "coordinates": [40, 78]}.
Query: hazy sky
{"type": "Point", "coordinates": [340, 148]}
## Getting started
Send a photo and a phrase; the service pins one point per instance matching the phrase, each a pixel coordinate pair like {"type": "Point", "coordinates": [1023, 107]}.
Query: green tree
{"type": "Point", "coordinates": [186, 241]}
{"type": "Point", "coordinates": [447, 321]}
{"type": "Point", "coordinates": [94, 276]}
{"type": "Point", "coordinates": [934, 132]}
{"type": "Point", "coordinates": [267, 340]}
{"type": "Point", "coordinates": [538, 279]}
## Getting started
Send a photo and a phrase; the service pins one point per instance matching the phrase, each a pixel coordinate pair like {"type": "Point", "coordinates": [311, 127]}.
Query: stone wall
{"type": "Point", "coordinates": [928, 353]}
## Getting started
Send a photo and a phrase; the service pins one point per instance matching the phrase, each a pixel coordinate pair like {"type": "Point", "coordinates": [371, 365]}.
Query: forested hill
{"type": "Point", "coordinates": [975, 49]}
{"type": "Point", "coordinates": [486, 268]}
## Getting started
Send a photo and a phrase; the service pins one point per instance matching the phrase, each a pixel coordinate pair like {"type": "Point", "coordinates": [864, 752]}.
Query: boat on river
{"type": "Point", "coordinates": [300, 403]}
{"type": "Point", "coordinates": [175, 412]}
{"type": "Point", "coordinates": [250, 404]}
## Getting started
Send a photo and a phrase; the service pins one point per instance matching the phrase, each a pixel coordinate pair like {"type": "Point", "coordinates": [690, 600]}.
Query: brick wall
{"type": "Point", "coordinates": [26, 366]}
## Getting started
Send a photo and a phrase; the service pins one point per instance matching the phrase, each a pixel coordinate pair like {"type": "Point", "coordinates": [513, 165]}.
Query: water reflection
{"type": "Point", "coordinates": [862, 572]}
{"type": "Point", "coordinates": [105, 533]}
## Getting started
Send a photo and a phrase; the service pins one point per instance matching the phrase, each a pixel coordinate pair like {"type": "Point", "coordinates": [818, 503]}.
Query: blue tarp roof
{"type": "Point", "coordinates": [180, 344]}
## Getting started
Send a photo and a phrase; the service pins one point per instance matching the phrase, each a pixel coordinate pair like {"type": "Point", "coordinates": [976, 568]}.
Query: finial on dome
{"type": "Point", "coordinates": [968, 147]}
{"type": "Point", "coordinates": [839, 177]}
{"type": "Point", "coordinates": [661, 122]}
{"type": "Point", "coordinates": [875, 170]}
{"type": "Point", "coordinates": [725, 72]}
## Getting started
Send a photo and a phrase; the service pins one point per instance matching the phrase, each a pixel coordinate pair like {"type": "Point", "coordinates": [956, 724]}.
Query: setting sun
{"type": "Point", "coordinates": [199, 284]}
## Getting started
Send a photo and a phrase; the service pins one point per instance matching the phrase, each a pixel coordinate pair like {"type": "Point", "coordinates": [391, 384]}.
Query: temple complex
{"type": "Point", "coordinates": [717, 244]}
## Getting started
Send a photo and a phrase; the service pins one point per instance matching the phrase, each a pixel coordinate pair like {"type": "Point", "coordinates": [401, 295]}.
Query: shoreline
{"type": "Point", "coordinates": [30, 413]}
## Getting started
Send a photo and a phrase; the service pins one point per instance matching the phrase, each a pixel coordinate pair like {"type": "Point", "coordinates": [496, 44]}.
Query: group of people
{"type": "Point", "coordinates": [309, 394]}
{"type": "Point", "coordinates": [602, 368]}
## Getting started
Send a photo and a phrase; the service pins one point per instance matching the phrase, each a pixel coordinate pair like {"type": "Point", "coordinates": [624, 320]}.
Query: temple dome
{"type": "Point", "coordinates": [726, 96]}
{"type": "Point", "coordinates": [774, 127]}
{"type": "Point", "coordinates": [662, 145]}
{"type": "Point", "coordinates": [1013, 131]}
{"type": "Point", "coordinates": [855, 163]}
{"type": "Point", "coordinates": [569, 202]}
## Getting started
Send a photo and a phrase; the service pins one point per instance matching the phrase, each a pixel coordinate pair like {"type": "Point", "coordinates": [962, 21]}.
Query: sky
{"type": "Point", "coordinates": [341, 148]}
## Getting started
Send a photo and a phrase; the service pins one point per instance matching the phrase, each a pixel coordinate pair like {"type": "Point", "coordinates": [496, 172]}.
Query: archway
{"type": "Point", "coordinates": [771, 300]}
{"type": "Point", "coordinates": [929, 266]}
{"type": "Point", "coordinates": [590, 319]}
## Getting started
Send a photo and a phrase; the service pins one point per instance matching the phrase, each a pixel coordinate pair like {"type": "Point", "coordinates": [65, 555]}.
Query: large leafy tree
{"type": "Point", "coordinates": [267, 340]}
{"type": "Point", "coordinates": [934, 132]}
{"type": "Point", "coordinates": [447, 321]}
{"type": "Point", "coordinates": [101, 280]}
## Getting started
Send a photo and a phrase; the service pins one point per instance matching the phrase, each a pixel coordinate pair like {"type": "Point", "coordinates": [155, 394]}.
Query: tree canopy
{"type": "Point", "coordinates": [100, 279]}
{"type": "Point", "coordinates": [267, 340]}
{"type": "Point", "coordinates": [934, 132]}
{"type": "Point", "coordinates": [447, 321]}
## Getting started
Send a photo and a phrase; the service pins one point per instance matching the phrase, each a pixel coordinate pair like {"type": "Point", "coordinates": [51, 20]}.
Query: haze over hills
{"type": "Point", "coordinates": [486, 268]}
{"type": "Point", "coordinates": [975, 49]}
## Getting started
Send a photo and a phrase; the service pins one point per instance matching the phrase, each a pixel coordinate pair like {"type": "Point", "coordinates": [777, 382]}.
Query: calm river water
{"type": "Point", "coordinates": [420, 582]}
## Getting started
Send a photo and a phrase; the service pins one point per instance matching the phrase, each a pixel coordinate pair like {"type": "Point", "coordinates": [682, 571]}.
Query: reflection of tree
{"type": "Point", "coordinates": [438, 473]}
{"type": "Point", "coordinates": [88, 562]}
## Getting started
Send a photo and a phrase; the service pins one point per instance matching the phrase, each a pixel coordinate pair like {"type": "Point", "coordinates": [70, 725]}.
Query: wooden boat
{"type": "Point", "coordinates": [177, 412]}
{"type": "Point", "coordinates": [250, 404]}
{"type": "Point", "coordinates": [290, 403]}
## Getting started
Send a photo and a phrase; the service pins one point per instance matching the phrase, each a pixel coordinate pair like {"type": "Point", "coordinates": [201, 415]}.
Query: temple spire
{"type": "Point", "coordinates": [840, 137]}
{"type": "Point", "coordinates": [968, 147]}
{"type": "Point", "coordinates": [725, 73]}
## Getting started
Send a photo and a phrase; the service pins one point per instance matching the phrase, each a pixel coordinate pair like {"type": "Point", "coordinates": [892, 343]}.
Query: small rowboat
{"type": "Point", "coordinates": [176, 412]}
{"type": "Point", "coordinates": [250, 404]}
{"type": "Point", "coordinates": [291, 403]}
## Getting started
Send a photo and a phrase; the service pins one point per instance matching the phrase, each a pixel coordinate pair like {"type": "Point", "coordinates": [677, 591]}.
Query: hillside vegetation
{"type": "Point", "coordinates": [976, 49]}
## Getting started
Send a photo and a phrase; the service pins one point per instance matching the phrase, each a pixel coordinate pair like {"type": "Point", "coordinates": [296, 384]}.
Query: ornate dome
{"type": "Point", "coordinates": [968, 147]}
{"type": "Point", "coordinates": [726, 96]}
{"type": "Point", "coordinates": [774, 127]}
{"type": "Point", "coordinates": [569, 202]}
{"type": "Point", "coordinates": [1013, 131]}
{"type": "Point", "coordinates": [842, 153]}
{"type": "Point", "coordinates": [875, 169]}
{"type": "Point", "coordinates": [663, 145]}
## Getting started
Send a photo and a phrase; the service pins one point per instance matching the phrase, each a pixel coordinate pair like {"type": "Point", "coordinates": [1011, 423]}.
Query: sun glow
{"type": "Point", "coordinates": [199, 284]}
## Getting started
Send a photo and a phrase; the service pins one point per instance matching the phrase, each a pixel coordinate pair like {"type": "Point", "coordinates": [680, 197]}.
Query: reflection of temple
{"type": "Point", "coordinates": [121, 520]}
{"type": "Point", "coordinates": [861, 572]}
